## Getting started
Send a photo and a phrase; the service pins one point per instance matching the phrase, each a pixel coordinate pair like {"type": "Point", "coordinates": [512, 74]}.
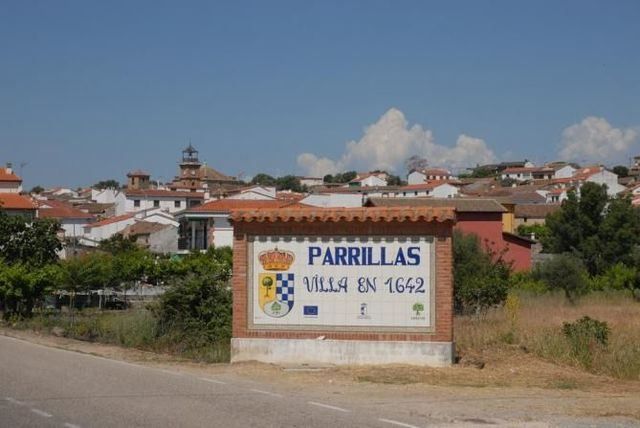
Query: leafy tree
{"type": "Point", "coordinates": [539, 231]}
{"type": "Point", "coordinates": [289, 182]}
{"type": "Point", "coordinates": [482, 172]}
{"type": "Point", "coordinates": [621, 170]}
{"type": "Point", "coordinates": [344, 177]}
{"type": "Point", "coordinates": [118, 244]}
{"type": "Point", "coordinates": [23, 287]}
{"type": "Point", "coordinates": [32, 242]}
{"type": "Point", "coordinates": [599, 230]}
{"type": "Point", "coordinates": [36, 190]}
{"type": "Point", "coordinates": [107, 184]}
{"type": "Point", "coordinates": [575, 226]}
{"type": "Point", "coordinates": [197, 307]}
{"type": "Point", "coordinates": [619, 233]}
{"type": "Point", "coordinates": [415, 163]}
{"type": "Point", "coordinates": [394, 180]}
{"type": "Point", "coordinates": [481, 277]}
{"type": "Point", "coordinates": [263, 180]}
{"type": "Point", "coordinates": [564, 272]}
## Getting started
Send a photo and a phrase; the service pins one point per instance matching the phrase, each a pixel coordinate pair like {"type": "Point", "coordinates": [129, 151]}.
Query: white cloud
{"type": "Point", "coordinates": [387, 143]}
{"type": "Point", "coordinates": [594, 139]}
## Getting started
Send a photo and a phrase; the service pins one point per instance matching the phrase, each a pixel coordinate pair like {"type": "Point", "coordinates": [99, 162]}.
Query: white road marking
{"type": "Point", "coordinates": [41, 413]}
{"type": "Point", "coordinates": [327, 406]}
{"type": "Point", "coordinates": [266, 392]}
{"type": "Point", "coordinates": [400, 424]}
{"type": "Point", "coordinates": [206, 379]}
{"type": "Point", "coordinates": [68, 425]}
{"type": "Point", "coordinates": [14, 401]}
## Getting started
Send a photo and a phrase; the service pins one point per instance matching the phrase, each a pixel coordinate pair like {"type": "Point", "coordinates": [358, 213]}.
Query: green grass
{"type": "Point", "coordinates": [136, 328]}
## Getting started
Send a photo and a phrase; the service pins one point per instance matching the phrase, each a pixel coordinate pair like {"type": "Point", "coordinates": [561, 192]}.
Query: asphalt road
{"type": "Point", "coordinates": [47, 387]}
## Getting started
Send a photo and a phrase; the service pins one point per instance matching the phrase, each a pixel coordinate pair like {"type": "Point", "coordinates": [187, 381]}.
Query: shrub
{"type": "Point", "coordinates": [525, 283]}
{"type": "Point", "coordinates": [481, 278]}
{"type": "Point", "coordinates": [564, 272]}
{"type": "Point", "coordinates": [586, 336]}
{"type": "Point", "coordinates": [617, 277]}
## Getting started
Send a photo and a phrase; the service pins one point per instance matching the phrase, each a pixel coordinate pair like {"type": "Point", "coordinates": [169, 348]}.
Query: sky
{"type": "Point", "coordinates": [90, 90]}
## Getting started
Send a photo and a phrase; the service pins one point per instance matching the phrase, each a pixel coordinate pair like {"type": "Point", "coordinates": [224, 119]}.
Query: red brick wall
{"type": "Point", "coordinates": [443, 285]}
{"type": "Point", "coordinates": [488, 227]}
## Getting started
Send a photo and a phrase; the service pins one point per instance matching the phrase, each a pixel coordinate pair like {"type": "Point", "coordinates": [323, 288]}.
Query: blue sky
{"type": "Point", "coordinates": [90, 90]}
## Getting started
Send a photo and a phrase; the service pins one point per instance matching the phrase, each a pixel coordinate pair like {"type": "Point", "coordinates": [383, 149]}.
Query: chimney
{"type": "Point", "coordinates": [9, 168]}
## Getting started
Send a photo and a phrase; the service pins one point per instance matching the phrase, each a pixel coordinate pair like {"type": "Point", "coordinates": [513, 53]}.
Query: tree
{"type": "Point", "coordinates": [564, 272]}
{"type": "Point", "coordinates": [621, 170]}
{"type": "Point", "coordinates": [263, 180]}
{"type": "Point", "coordinates": [415, 163]}
{"type": "Point", "coordinates": [539, 231]}
{"type": "Point", "coordinates": [31, 242]}
{"type": "Point", "coordinates": [481, 277]}
{"type": "Point", "coordinates": [394, 180]}
{"type": "Point", "coordinates": [575, 226]}
{"type": "Point", "coordinates": [36, 190]}
{"type": "Point", "coordinates": [107, 184]}
{"type": "Point", "coordinates": [22, 287]}
{"type": "Point", "coordinates": [598, 230]}
{"type": "Point", "coordinates": [289, 182]}
{"type": "Point", "coordinates": [118, 244]}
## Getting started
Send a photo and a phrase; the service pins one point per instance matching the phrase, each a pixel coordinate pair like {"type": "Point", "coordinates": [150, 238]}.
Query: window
{"type": "Point", "coordinates": [136, 203]}
{"type": "Point", "coordinates": [177, 204]}
{"type": "Point", "coordinates": [156, 203]}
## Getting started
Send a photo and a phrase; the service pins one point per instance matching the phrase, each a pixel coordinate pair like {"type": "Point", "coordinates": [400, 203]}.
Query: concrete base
{"type": "Point", "coordinates": [341, 352]}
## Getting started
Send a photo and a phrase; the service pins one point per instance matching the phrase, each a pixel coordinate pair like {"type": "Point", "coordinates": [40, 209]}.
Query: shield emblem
{"type": "Point", "coordinates": [276, 293]}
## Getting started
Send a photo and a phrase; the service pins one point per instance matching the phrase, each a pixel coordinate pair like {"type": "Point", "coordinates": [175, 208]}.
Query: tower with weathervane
{"type": "Point", "coordinates": [190, 167]}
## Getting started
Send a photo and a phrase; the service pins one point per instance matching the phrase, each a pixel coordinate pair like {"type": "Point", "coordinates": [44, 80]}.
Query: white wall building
{"type": "Point", "coordinates": [428, 174]}
{"type": "Point", "coordinates": [165, 200]}
{"type": "Point", "coordinates": [566, 171]}
{"type": "Point", "coordinates": [9, 181]}
{"type": "Point", "coordinates": [255, 193]}
{"type": "Point", "coordinates": [326, 200]}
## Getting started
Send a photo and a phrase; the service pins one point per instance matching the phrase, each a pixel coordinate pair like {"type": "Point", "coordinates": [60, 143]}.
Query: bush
{"type": "Point", "coordinates": [196, 312]}
{"type": "Point", "coordinates": [525, 283]}
{"type": "Point", "coordinates": [617, 277]}
{"type": "Point", "coordinates": [564, 272]}
{"type": "Point", "coordinates": [585, 336]}
{"type": "Point", "coordinates": [481, 278]}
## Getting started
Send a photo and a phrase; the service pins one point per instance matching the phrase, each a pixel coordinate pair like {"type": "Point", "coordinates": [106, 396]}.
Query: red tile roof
{"type": "Point", "coordinates": [157, 193]}
{"type": "Point", "coordinates": [58, 209]}
{"type": "Point", "coordinates": [6, 176]}
{"type": "Point", "coordinates": [111, 220]}
{"type": "Point", "coordinates": [376, 214]}
{"type": "Point", "coordinates": [138, 173]}
{"type": "Point", "coordinates": [16, 201]}
{"type": "Point", "coordinates": [227, 205]}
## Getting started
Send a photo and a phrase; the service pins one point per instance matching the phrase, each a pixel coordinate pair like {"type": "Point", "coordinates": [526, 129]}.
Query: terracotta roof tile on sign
{"type": "Point", "coordinates": [377, 214]}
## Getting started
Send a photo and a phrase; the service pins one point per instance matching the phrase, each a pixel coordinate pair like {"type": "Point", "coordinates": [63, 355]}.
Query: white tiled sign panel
{"type": "Point", "coordinates": [343, 282]}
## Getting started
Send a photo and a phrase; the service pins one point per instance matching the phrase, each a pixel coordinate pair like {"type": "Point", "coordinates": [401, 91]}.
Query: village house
{"type": "Point", "coordinates": [369, 179]}
{"type": "Point", "coordinates": [72, 220]}
{"type": "Point", "coordinates": [310, 181]}
{"type": "Point", "coordinates": [429, 174]}
{"type": "Point", "coordinates": [156, 237]}
{"type": "Point", "coordinates": [106, 228]}
{"type": "Point", "coordinates": [167, 200]}
{"type": "Point", "coordinates": [482, 217]}
{"type": "Point", "coordinates": [17, 204]}
{"type": "Point", "coordinates": [526, 174]}
{"type": "Point", "coordinates": [9, 181]}
{"type": "Point", "coordinates": [208, 224]}
{"type": "Point", "coordinates": [530, 214]}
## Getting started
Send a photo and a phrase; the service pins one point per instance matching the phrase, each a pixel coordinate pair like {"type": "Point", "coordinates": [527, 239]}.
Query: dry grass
{"type": "Point", "coordinates": [535, 326]}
